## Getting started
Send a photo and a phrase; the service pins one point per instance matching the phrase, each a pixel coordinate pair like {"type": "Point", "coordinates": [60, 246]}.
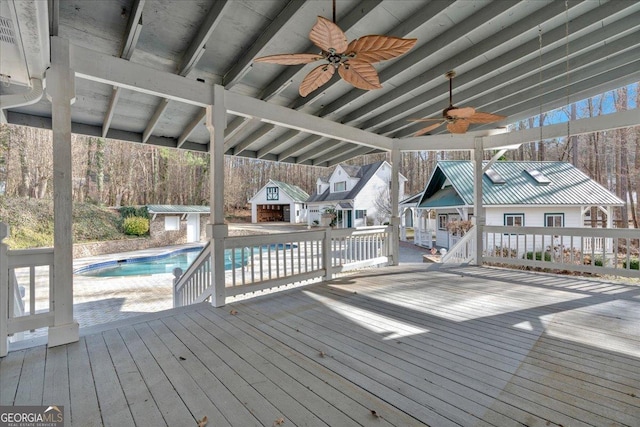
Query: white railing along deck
{"type": "Point", "coordinates": [258, 262]}
{"type": "Point", "coordinates": [191, 284]}
{"type": "Point", "coordinates": [22, 310]}
{"type": "Point", "coordinates": [463, 251]}
{"type": "Point", "coordinates": [589, 250]}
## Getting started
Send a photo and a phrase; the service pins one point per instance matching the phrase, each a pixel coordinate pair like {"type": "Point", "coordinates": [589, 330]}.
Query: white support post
{"type": "Point", "coordinates": [61, 93]}
{"type": "Point", "coordinates": [217, 230]}
{"type": "Point", "coordinates": [395, 200]}
{"type": "Point", "coordinates": [326, 254]}
{"type": "Point", "coordinates": [4, 290]}
{"type": "Point", "coordinates": [478, 209]}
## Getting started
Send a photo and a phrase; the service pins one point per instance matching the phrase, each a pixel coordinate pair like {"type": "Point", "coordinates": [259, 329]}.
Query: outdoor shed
{"type": "Point", "coordinates": [177, 224]}
{"type": "Point", "coordinates": [279, 201]}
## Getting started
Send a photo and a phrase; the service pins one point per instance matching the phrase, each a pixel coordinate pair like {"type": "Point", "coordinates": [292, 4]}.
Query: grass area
{"type": "Point", "coordinates": [31, 222]}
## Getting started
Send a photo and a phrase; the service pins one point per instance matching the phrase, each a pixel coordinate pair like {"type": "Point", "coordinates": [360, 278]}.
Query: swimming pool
{"type": "Point", "coordinates": [161, 264]}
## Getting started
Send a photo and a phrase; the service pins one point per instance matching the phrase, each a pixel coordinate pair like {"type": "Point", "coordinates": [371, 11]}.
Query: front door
{"type": "Point", "coordinates": [287, 213]}
{"type": "Point", "coordinates": [193, 228]}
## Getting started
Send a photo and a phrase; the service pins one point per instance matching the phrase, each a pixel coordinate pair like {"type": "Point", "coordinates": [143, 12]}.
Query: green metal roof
{"type": "Point", "coordinates": [568, 186]}
{"type": "Point", "coordinates": [293, 191]}
{"type": "Point", "coordinates": [444, 198]}
{"type": "Point", "coordinates": [177, 209]}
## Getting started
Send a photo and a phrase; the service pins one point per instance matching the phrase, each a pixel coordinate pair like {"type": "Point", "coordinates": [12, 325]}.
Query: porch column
{"type": "Point", "coordinates": [61, 93]}
{"type": "Point", "coordinates": [395, 200]}
{"type": "Point", "coordinates": [478, 209]}
{"type": "Point", "coordinates": [217, 230]}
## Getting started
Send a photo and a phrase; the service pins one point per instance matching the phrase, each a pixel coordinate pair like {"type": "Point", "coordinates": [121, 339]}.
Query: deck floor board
{"type": "Point", "coordinates": [397, 346]}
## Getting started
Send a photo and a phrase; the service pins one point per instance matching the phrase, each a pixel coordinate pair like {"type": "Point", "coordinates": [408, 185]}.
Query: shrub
{"type": "Point", "coordinates": [135, 226]}
{"type": "Point", "coordinates": [547, 256]}
{"type": "Point", "coordinates": [634, 264]}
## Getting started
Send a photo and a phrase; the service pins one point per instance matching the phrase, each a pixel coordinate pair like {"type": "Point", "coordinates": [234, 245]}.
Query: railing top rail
{"type": "Point", "coordinates": [34, 251]}
{"type": "Point", "coordinates": [631, 233]}
{"type": "Point", "coordinates": [343, 232]}
{"type": "Point", "coordinates": [261, 239]}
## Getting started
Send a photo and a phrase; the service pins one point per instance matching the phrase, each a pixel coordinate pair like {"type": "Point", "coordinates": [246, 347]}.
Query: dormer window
{"type": "Point", "coordinates": [339, 186]}
{"type": "Point", "coordinates": [539, 177]}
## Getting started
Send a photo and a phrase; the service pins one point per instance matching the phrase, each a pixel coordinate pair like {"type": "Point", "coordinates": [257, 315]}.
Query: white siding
{"type": "Point", "coordinates": [283, 199]}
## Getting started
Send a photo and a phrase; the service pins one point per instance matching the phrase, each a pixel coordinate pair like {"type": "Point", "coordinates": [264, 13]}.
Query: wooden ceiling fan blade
{"type": "Point", "coordinates": [480, 117]}
{"type": "Point", "coordinates": [290, 58]}
{"type": "Point", "coordinates": [316, 78]}
{"type": "Point", "coordinates": [459, 126]}
{"type": "Point", "coordinates": [375, 48]}
{"type": "Point", "coordinates": [360, 74]}
{"type": "Point", "coordinates": [429, 128]}
{"type": "Point", "coordinates": [327, 35]}
{"type": "Point", "coordinates": [461, 113]}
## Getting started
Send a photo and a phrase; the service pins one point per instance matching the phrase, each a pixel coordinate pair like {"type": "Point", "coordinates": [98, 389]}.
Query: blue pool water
{"type": "Point", "coordinates": [160, 264]}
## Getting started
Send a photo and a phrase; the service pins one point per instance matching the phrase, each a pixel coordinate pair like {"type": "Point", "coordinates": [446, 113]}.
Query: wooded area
{"type": "Point", "coordinates": [117, 173]}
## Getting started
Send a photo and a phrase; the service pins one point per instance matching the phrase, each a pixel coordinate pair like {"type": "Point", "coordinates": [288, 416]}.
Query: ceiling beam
{"type": "Point", "coordinates": [191, 127]}
{"type": "Point", "coordinates": [241, 67]}
{"type": "Point", "coordinates": [284, 79]}
{"type": "Point", "coordinates": [421, 17]}
{"type": "Point", "coordinates": [333, 154]}
{"type": "Point", "coordinates": [247, 142]}
{"type": "Point", "coordinates": [232, 141]}
{"type": "Point", "coordinates": [423, 52]}
{"type": "Point", "coordinates": [273, 145]}
{"type": "Point", "coordinates": [134, 28]}
{"type": "Point", "coordinates": [407, 109]}
{"type": "Point", "coordinates": [115, 94]}
{"type": "Point", "coordinates": [153, 122]}
{"type": "Point", "coordinates": [91, 65]}
{"type": "Point", "coordinates": [508, 98]}
{"type": "Point", "coordinates": [295, 149]}
{"type": "Point", "coordinates": [197, 47]}
{"type": "Point", "coordinates": [242, 105]}
{"type": "Point", "coordinates": [499, 138]}
{"type": "Point", "coordinates": [318, 149]}
{"type": "Point", "coordinates": [361, 151]}
{"type": "Point", "coordinates": [475, 51]}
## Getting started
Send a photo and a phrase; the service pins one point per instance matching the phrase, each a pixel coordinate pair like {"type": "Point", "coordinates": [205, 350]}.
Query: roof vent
{"type": "Point", "coordinates": [495, 177]}
{"type": "Point", "coordinates": [539, 177]}
{"type": "Point", "coordinates": [6, 31]}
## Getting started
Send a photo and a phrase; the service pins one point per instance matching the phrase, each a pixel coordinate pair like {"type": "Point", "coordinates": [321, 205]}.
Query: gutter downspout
{"type": "Point", "coordinates": [21, 99]}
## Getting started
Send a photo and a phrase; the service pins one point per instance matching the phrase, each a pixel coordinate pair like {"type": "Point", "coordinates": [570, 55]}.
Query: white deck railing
{"type": "Point", "coordinates": [463, 251]}
{"type": "Point", "coordinates": [589, 250]}
{"type": "Point", "coordinates": [258, 262]}
{"type": "Point", "coordinates": [22, 310]}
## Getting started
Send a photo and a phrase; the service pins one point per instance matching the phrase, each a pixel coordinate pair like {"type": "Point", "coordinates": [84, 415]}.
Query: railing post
{"type": "Point", "coordinates": [4, 290]}
{"type": "Point", "coordinates": [217, 233]}
{"type": "Point", "coordinates": [326, 254]}
{"type": "Point", "coordinates": [478, 209]}
{"type": "Point", "coordinates": [394, 236]}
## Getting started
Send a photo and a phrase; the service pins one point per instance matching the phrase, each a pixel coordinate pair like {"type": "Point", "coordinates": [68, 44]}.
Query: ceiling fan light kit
{"type": "Point", "coordinates": [457, 119]}
{"type": "Point", "coordinates": [352, 60]}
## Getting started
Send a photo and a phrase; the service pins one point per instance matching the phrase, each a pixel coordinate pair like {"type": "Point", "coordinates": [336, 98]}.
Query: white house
{"type": "Point", "coordinates": [279, 201]}
{"type": "Point", "coordinates": [356, 193]}
{"type": "Point", "coordinates": [514, 193]}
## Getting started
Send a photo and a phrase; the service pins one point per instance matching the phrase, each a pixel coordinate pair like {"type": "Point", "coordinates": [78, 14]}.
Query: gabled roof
{"type": "Point", "coordinates": [568, 186]}
{"type": "Point", "coordinates": [293, 191]}
{"type": "Point", "coordinates": [365, 173]}
{"type": "Point", "coordinates": [413, 199]}
{"type": "Point", "coordinates": [296, 193]}
{"type": "Point", "coordinates": [178, 209]}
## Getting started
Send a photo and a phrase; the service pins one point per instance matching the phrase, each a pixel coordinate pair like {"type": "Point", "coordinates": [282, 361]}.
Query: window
{"type": "Point", "coordinates": [272, 193]}
{"type": "Point", "coordinates": [171, 223]}
{"type": "Point", "coordinates": [442, 222]}
{"type": "Point", "coordinates": [554, 220]}
{"type": "Point", "coordinates": [514, 220]}
{"type": "Point", "coordinates": [340, 186]}
{"type": "Point", "coordinates": [360, 214]}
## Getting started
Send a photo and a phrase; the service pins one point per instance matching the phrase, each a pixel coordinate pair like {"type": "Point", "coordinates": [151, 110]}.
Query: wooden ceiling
{"type": "Point", "coordinates": [513, 58]}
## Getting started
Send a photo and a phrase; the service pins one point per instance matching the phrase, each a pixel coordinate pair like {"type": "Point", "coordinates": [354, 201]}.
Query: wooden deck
{"type": "Point", "coordinates": [397, 346]}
